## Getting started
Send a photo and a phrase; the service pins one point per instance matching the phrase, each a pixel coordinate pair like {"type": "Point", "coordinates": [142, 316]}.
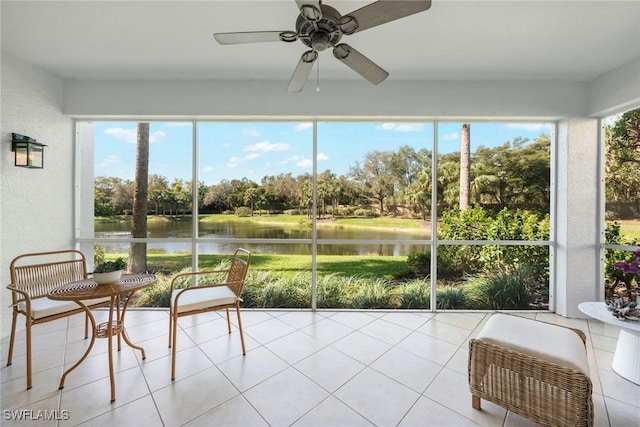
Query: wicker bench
{"type": "Point", "coordinates": [32, 277]}
{"type": "Point", "coordinates": [534, 369]}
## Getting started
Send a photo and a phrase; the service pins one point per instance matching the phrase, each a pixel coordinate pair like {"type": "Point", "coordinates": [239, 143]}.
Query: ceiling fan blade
{"type": "Point", "coordinates": [360, 63]}
{"type": "Point", "coordinates": [255, 37]}
{"type": "Point", "coordinates": [301, 73]}
{"type": "Point", "coordinates": [310, 9]}
{"type": "Point", "coordinates": [380, 12]}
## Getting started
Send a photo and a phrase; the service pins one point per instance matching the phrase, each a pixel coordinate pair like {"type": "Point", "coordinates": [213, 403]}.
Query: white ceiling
{"type": "Point", "coordinates": [454, 40]}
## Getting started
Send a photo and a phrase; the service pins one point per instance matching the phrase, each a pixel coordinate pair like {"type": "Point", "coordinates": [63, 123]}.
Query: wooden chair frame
{"type": "Point", "coordinates": [235, 280]}
{"type": "Point", "coordinates": [31, 280]}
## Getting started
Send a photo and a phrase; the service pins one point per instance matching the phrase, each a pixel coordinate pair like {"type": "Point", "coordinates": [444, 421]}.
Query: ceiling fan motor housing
{"type": "Point", "coordinates": [321, 34]}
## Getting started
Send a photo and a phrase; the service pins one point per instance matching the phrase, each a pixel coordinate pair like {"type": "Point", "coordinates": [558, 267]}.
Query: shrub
{"type": "Point", "coordinates": [477, 224]}
{"type": "Point", "coordinates": [450, 297]}
{"type": "Point", "coordinates": [448, 266]}
{"type": "Point", "coordinates": [611, 256]}
{"type": "Point", "coordinates": [156, 295]}
{"type": "Point", "coordinates": [331, 291]}
{"type": "Point", "coordinates": [415, 294]}
{"type": "Point", "coordinates": [243, 211]}
{"type": "Point", "coordinates": [98, 254]}
{"type": "Point", "coordinates": [371, 294]}
{"type": "Point", "coordinates": [500, 291]}
{"type": "Point", "coordinates": [287, 293]}
{"type": "Point", "coordinates": [420, 263]}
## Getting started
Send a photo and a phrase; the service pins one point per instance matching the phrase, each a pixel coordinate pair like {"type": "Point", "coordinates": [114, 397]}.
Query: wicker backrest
{"type": "Point", "coordinates": [38, 273]}
{"type": "Point", "coordinates": [238, 270]}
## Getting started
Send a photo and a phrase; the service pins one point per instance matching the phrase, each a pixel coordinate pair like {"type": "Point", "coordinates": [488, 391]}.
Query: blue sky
{"type": "Point", "coordinates": [234, 150]}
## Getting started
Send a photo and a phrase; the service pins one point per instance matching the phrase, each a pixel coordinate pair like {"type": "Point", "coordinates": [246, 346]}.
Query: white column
{"type": "Point", "coordinates": [84, 182]}
{"type": "Point", "coordinates": [577, 215]}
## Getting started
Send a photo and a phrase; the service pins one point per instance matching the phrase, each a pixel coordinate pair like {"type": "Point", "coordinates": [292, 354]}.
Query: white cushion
{"type": "Point", "coordinates": [44, 307]}
{"type": "Point", "coordinates": [199, 298]}
{"type": "Point", "coordinates": [555, 344]}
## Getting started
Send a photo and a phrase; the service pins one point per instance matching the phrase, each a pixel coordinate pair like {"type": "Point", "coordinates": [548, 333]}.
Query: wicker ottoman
{"type": "Point", "coordinates": [534, 369]}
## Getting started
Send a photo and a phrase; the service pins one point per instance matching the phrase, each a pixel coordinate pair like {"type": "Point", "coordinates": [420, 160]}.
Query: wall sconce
{"type": "Point", "coordinates": [29, 153]}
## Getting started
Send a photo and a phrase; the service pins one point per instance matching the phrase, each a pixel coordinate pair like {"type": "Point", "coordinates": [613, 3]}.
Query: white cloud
{"type": "Point", "coordinates": [126, 135]}
{"type": "Point", "coordinates": [157, 136]}
{"type": "Point", "coordinates": [298, 161]}
{"type": "Point", "coordinates": [303, 126]}
{"type": "Point", "coordinates": [322, 156]}
{"type": "Point", "coordinates": [266, 146]}
{"type": "Point", "coordinates": [207, 169]}
{"type": "Point", "coordinates": [402, 127]}
{"type": "Point", "coordinates": [234, 162]}
{"type": "Point", "coordinates": [451, 136]}
{"type": "Point", "coordinates": [250, 132]}
{"type": "Point", "coordinates": [109, 160]}
{"type": "Point", "coordinates": [305, 163]}
{"type": "Point", "coordinates": [130, 135]}
{"type": "Point", "coordinates": [292, 159]}
{"type": "Point", "coordinates": [179, 123]}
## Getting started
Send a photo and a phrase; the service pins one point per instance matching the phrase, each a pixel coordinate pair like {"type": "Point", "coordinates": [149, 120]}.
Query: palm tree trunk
{"type": "Point", "coordinates": [465, 166]}
{"type": "Point", "coordinates": [138, 251]}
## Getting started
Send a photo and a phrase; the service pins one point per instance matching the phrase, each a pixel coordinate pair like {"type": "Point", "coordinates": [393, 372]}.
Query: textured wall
{"type": "Point", "coordinates": [36, 204]}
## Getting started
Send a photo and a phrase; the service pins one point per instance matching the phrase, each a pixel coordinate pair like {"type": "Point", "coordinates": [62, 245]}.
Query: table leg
{"type": "Point", "coordinates": [124, 330]}
{"type": "Point", "coordinates": [112, 378]}
{"type": "Point", "coordinates": [86, 353]}
{"type": "Point", "coordinates": [626, 359]}
{"type": "Point", "coordinates": [120, 319]}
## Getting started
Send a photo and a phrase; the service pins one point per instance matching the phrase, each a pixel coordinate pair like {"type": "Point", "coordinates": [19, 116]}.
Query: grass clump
{"type": "Point", "coordinates": [500, 291]}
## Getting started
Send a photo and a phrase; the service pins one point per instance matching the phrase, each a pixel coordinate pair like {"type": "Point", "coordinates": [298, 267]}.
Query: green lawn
{"type": "Point", "coordinates": [629, 228]}
{"type": "Point", "coordinates": [366, 266]}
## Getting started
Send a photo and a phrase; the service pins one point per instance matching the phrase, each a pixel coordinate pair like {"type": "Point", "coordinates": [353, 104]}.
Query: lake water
{"type": "Point", "coordinates": [233, 230]}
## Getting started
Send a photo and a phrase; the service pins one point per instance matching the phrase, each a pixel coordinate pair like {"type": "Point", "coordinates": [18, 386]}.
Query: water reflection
{"type": "Point", "coordinates": [244, 230]}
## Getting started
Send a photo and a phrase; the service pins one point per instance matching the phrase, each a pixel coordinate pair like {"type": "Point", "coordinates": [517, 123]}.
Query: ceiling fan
{"type": "Point", "coordinates": [320, 26]}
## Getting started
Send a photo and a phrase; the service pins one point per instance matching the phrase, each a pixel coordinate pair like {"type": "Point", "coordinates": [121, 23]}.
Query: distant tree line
{"type": "Point", "coordinates": [516, 173]}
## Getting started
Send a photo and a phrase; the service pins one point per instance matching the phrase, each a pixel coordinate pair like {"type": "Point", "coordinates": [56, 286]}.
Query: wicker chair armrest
{"type": "Point", "coordinates": [200, 287]}
{"type": "Point", "coordinates": [15, 290]}
{"type": "Point", "coordinates": [192, 274]}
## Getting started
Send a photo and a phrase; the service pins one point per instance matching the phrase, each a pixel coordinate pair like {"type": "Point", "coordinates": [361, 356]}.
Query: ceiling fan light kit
{"type": "Point", "coordinates": [320, 26]}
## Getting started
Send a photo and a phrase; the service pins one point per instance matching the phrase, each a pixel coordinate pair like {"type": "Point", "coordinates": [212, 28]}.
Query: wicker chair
{"type": "Point", "coordinates": [191, 294]}
{"type": "Point", "coordinates": [534, 369]}
{"type": "Point", "coordinates": [32, 277]}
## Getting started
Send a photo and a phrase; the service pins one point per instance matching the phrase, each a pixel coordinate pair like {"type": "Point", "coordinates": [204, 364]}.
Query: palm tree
{"type": "Point", "coordinates": [465, 166]}
{"type": "Point", "coordinates": [138, 251]}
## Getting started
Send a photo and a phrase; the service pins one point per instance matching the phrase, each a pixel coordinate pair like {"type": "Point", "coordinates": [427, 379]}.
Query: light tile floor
{"type": "Point", "coordinates": [302, 368]}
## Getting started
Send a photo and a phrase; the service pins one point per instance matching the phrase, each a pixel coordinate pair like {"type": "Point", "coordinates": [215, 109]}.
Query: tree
{"type": "Point", "coordinates": [158, 188]}
{"type": "Point", "coordinates": [218, 195]}
{"type": "Point", "coordinates": [622, 165]}
{"type": "Point", "coordinates": [138, 251]}
{"type": "Point", "coordinates": [251, 196]}
{"type": "Point", "coordinates": [465, 166]}
{"type": "Point", "coordinates": [375, 177]}
{"type": "Point", "coordinates": [181, 196]}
